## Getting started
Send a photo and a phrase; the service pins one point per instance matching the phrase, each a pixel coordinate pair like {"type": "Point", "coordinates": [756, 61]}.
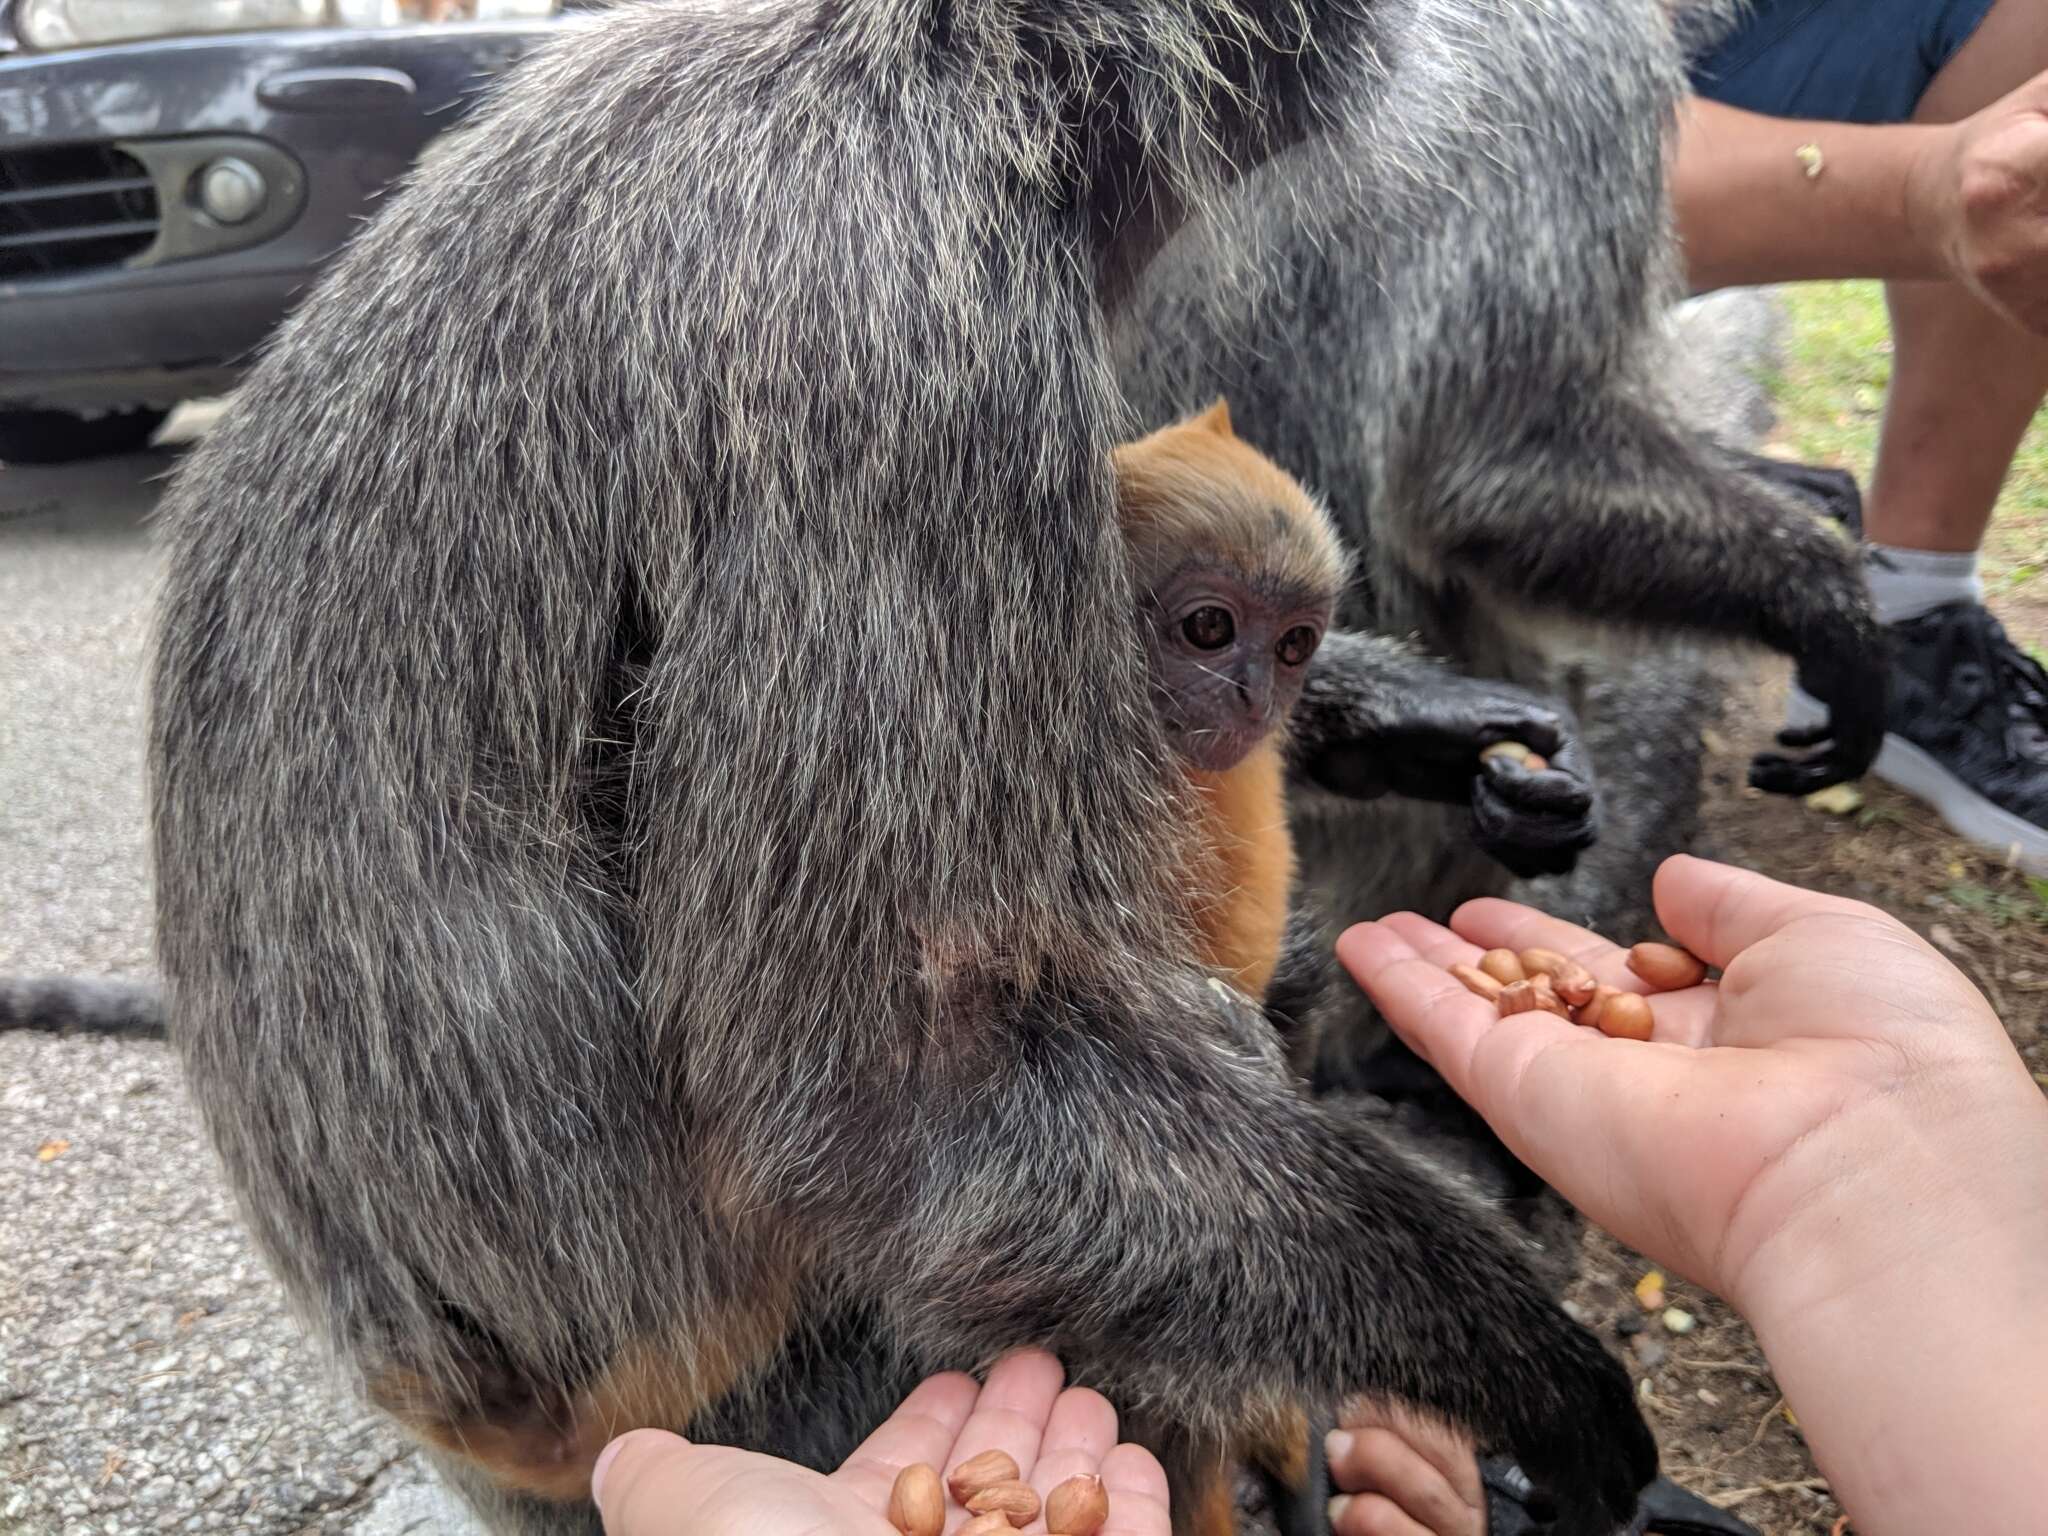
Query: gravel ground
{"type": "Point", "coordinates": [150, 1378]}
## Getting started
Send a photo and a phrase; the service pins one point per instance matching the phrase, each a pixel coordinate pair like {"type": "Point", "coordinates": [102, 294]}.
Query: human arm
{"type": "Point", "coordinates": [1964, 201]}
{"type": "Point", "coordinates": [649, 1483]}
{"type": "Point", "coordinates": [1838, 1138]}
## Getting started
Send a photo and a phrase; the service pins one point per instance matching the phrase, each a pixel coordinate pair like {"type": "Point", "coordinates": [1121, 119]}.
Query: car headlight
{"type": "Point", "coordinates": [48, 24]}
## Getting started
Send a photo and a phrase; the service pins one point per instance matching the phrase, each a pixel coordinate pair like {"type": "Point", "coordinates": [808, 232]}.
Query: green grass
{"type": "Point", "coordinates": [1829, 392]}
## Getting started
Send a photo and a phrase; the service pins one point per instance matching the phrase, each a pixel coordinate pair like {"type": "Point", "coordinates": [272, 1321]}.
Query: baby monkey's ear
{"type": "Point", "coordinates": [1215, 419]}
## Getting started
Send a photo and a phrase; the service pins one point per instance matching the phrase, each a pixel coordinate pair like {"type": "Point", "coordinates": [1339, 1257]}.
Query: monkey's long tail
{"type": "Point", "coordinates": [82, 1005]}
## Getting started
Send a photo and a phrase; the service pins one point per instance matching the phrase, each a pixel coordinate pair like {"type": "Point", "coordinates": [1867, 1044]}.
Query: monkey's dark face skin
{"type": "Point", "coordinates": [1228, 659]}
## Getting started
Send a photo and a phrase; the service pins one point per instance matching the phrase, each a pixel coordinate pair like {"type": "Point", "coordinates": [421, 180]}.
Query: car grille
{"type": "Point", "coordinates": [72, 208]}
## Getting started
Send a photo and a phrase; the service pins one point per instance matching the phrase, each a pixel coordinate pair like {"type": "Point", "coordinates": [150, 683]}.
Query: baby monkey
{"type": "Point", "coordinates": [1238, 572]}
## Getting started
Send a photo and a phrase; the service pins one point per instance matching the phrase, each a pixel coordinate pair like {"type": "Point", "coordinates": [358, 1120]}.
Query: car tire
{"type": "Point", "coordinates": [58, 437]}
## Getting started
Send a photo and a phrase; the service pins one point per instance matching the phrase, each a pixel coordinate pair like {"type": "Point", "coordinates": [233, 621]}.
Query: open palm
{"type": "Point", "coordinates": [657, 1485]}
{"type": "Point", "coordinates": [1832, 1029]}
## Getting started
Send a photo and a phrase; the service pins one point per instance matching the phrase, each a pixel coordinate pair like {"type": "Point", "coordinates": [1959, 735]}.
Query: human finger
{"type": "Point", "coordinates": [1080, 1431]}
{"type": "Point", "coordinates": [1447, 1448]}
{"type": "Point", "coordinates": [1372, 1514]}
{"type": "Point", "coordinates": [1579, 1109]}
{"type": "Point", "coordinates": [652, 1483]}
{"type": "Point", "coordinates": [1429, 1008]}
{"type": "Point", "coordinates": [1717, 910]}
{"type": "Point", "coordinates": [925, 1427]}
{"type": "Point", "coordinates": [1680, 1018]}
{"type": "Point", "coordinates": [1136, 1485]}
{"type": "Point", "coordinates": [1380, 1459]}
{"type": "Point", "coordinates": [1012, 1411]}
{"type": "Point", "coordinates": [1492, 923]}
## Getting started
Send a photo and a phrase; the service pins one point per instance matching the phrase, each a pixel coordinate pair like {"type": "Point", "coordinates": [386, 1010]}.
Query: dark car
{"type": "Point", "coordinates": [168, 188]}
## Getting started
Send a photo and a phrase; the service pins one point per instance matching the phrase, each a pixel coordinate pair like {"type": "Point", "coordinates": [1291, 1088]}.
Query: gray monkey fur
{"type": "Point", "coordinates": [1464, 361]}
{"type": "Point", "coordinates": [656, 807]}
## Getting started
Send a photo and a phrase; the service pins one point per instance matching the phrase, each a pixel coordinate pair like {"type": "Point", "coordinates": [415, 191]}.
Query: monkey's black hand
{"type": "Point", "coordinates": [1852, 679]}
{"type": "Point", "coordinates": [1536, 822]}
{"type": "Point", "coordinates": [1375, 719]}
{"type": "Point", "coordinates": [1595, 1463]}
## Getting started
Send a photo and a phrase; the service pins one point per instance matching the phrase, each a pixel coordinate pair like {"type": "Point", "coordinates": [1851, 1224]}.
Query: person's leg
{"type": "Point", "coordinates": [1969, 716]}
{"type": "Point", "coordinates": [1965, 384]}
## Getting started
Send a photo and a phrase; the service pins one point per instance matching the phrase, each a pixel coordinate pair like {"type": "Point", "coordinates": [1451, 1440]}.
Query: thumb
{"type": "Point", "coordinates": [641, 1474]}
{"type": "Point", "coordinates": [2033, 96]}
{"type": "Point", "coordinates": [1717, 910]}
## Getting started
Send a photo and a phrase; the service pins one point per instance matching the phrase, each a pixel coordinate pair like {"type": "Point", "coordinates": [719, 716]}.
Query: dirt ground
{"type": "Point", "coordinates": [1709, 1394]}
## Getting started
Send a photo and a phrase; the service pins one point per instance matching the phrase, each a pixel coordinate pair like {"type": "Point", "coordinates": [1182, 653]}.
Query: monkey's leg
{"type": "Point", "coordinates": [1194, 1238]}
{"type": "Point", "coordinates": [1684, 539]}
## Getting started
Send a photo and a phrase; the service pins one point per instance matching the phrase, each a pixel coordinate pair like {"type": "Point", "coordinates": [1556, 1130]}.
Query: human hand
{"type": "Point", "coordinates": [649, 1483]}
{"type": "Point", "coordinates": [1399, 1474]}
{"type": "Point", "coordinates": [1842, 1091]}
{"type": "Point", "coordinates": [1979, 191]}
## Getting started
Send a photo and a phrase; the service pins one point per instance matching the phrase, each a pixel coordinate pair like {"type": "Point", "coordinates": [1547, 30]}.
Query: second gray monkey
{"type": "Point", "coordinates": [1466, 365]}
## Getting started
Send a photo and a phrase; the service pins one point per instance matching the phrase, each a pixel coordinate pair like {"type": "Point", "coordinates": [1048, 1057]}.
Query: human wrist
{"type": "Point", "coordinates": [1930, 210]}
{"type": "Point", "coordinates": [1903, 1327]}
{"type": "Point", "coordinates": [1905, 1197]}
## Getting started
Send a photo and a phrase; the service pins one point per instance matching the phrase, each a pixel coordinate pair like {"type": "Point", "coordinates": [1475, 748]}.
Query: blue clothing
{"type": "Point", "coordinates": [1842, 61]}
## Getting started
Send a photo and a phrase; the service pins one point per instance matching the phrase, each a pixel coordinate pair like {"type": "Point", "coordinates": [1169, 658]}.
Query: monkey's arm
{"type": "Point", "coordinates": [1675, 532]}
{"type": "Point", "coordinates": [1127, 1189]}
{"type": "Point", "coordinates": [1376, 718]}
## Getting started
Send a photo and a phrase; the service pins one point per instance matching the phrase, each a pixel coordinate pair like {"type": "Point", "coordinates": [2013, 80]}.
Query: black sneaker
{"type": "Point", "coordinates": [1968, 729]}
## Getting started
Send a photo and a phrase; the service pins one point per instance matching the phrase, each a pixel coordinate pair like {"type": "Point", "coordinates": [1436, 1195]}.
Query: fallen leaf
{"type": "Point", "coordinates": [50, 1151]}
{"type": "Point", "coordinates": [1649, 1288]}
{"type": "Point", "coordinates": [1836, 800]}
{"type": "Point", "coordinates": [187, 1319]}
{"type": "Point", "coordinates": [1944, 938]}
{"type": "Point", "coordinates": [114, 1462]}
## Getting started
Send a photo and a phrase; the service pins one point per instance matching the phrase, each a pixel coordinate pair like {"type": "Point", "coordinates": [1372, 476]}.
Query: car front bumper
{"type": "Point", "coordinates": [332, 117]}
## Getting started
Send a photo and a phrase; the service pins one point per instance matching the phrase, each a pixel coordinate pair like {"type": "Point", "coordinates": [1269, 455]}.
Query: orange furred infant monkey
{"type": "Point", "coordinates": [1238, 572]}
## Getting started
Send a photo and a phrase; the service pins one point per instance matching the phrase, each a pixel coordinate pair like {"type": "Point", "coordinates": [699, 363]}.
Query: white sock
{"type": "Point", "coordinates": [1905, 583]}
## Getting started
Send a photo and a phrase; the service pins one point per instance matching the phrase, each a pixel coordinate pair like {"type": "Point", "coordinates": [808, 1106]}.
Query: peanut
{"type": "Point", "coordinates": [994, 1523]}
{"type": "Point", "coordinates": [979, 1472]}
{"type": "Point", "coordinates": [1503, 965]}
{"type": "Point", "coordinates": [1513, 751]}
{"type": "Point", "coordinates": [1626, 1017]}
{"type": "Point", "coordinates": [1575, 984]}
{"type": "Point", "coordinates": [917, 1504]}
{"type": "Point", "coordinates": [1517, 997]}
{"type": "Point", "coordinates": [1667, 967]}
{"type": "Point", "coordinates": [1591, 1009]}
{"type": "Point", "coordinates": [1018, 1502]}
{"type": "Point", "coordinates": [1076, 1507]}
{"type": "Point", "coordinates": [1536, 762]}
{"type": "Point", "coordinates": [1477, 981]}
{"type": "Point", "coordinates": [1547, 998]}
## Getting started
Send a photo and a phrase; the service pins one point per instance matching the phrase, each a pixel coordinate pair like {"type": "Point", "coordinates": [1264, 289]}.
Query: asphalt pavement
{"type": "Point", "coordinates": [151, 1379]}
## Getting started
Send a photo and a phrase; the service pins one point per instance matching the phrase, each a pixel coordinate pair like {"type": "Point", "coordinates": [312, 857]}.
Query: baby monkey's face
{"type": "Point", "coordinates": [1230, 648]}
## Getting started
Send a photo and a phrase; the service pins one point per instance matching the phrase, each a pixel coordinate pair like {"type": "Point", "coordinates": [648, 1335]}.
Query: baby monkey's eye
{"type": "Point", "coordinates": [1297, 645]}
{"type": "Point", "coordinates": [1209, 629]}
